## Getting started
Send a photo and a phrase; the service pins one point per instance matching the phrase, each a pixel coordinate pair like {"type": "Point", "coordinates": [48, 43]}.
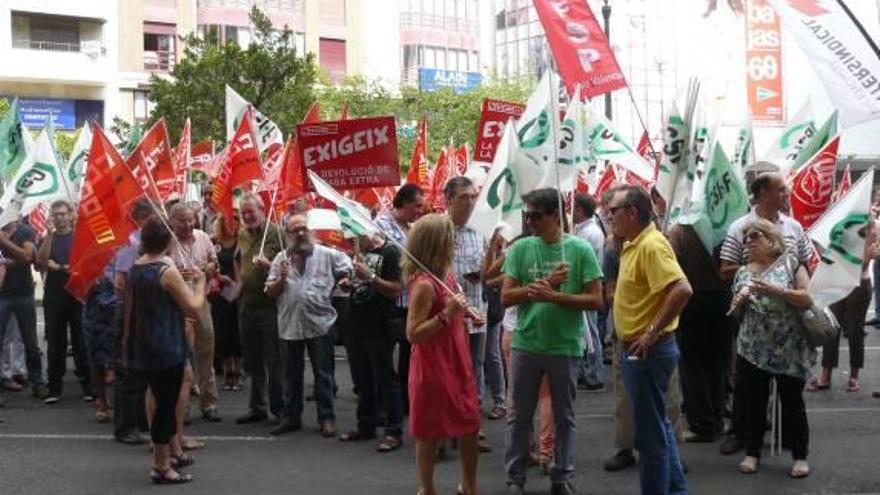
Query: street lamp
{"type": "Point", "coordinates": [606, 15]}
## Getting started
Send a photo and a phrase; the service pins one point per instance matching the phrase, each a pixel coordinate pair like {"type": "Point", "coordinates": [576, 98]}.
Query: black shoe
{"type": "Point", "coordinates": [731, 445]}
{"type": "Point", "coordinates": [621, 460]}
{"type": "Point", "coordinates": [131, 438]}
{"type": "Point", "coordinates": [40, 391]}
{"type": "Point", "coordinates": [873, 322]}
{"type": "Point", "coordinates": [514, 489]}
{"type": "Point", "coordinates": [252, 417]}
{"type": "Point", "coordinates": [563, 488]}
{"type": "Point", "coordinates": [211, 415]}
{"type": "Point", "coordinates": [875, 394]}
{"type": "Point", "coordinates": [286, 426]}
{"type": "Point", "coordinates": [589, 387]}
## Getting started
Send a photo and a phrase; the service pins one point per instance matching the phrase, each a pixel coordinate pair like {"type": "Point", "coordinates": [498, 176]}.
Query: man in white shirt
{"type": "Point", "coordinates": [586, 226]}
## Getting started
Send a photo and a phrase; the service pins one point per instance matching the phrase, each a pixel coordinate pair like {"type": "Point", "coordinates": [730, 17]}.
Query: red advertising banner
{"type": "Point", "coordinates": [764, 63]}
{"type": "Point", "coordinates": [580, 47]}
{"type": "Point", "coordinates": [351, 154]}
{"type": "Point", "coordinates": [493, 118]}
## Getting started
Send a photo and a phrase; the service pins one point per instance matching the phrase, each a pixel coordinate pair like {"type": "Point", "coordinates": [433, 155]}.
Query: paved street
{"type": "Point", "coordinates": [60, 449]}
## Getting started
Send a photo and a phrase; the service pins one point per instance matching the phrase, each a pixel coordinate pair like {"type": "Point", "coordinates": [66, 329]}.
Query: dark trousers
{"type": "Point", "coordinates": [62, 313]}
{"type": "Point", "coordinates": [259, 346]}
{"type": "Point", "coordinates": [129, 408]}
{"type": "Point", "coordinates": [795, 431]}
{"type": "Point", "coordinates": [371, 357]}
{"type": "Point", "coordinates": [320, 351]}
{"type": "Point", "coordinates": [398, 331]}
{"type": "Point", "coordinates": [850, 313]}
{"type": "Point", "coordinates": [165, 386]}
{"type": "Point", "coordinates": [25, 311]}
{"type": "Point", "coordinates": [704, 340]}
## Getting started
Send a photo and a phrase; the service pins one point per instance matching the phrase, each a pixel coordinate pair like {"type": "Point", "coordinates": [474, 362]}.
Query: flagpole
{"type": "Point", "coordinates": [632, 98]}
{"type": "Point", "coordinates": [554, 132]}
{"type": "Point", "coordinates": [269, 217]}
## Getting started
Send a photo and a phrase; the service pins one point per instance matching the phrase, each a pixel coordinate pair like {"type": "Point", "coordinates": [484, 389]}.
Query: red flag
{"type": "Point", "coordinates": [244, 157]}
{"type": "Point", "coordinates": [442, 173]}
{"type": "Point", "coordinates": [812, 187]}
{"type": "Point", "coordinates": [37, 219]}
{"type": "Point", "coordinates": [582, 186]}
{"type": "Point", "coordinates": [344, 115]}
{"type": "Point", "coordinates": [200, 157]}
{"type": "Point", "coordinates": [221, 192]}
{"type": "Point", "coordinates": [293, 182]}
{"type": "Point", "coordinates": [462, 156]}
{"type": "Point", "coordinates": [418, 165]}
{"type": "Point", "coordinates": [609, 177]}
{"type": "Point", "coordinates": [845, 184]}
{"type": "Point", "coordinates": [151, 162]}
{"type": "Point", "coordinates": [182, 156]}
{"type": "Point", "coordinates": [580, 47]}
{"type": "Point", "coordinates": [101, 222]}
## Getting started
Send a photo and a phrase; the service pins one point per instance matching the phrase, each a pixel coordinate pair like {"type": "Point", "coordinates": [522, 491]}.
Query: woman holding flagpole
{"type": "Point", "coordinates": [443, 393]}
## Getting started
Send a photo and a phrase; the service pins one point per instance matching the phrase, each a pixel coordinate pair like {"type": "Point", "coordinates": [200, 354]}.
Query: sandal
{"type": "Point", "coordinates": [816, 386]}
{"type": "Point", "coordinates": [182, 460]}
{"type": "Point", "coordinates": [102, 415]}
{"type": "Point", "coordinates": [356, 436]}
{"type": "Point", "coordinates": [389, 443]}
{"type": "Point", "coordinates": [800, 469]}
{"type": "Point", "coordinates": [749, 465]}
{"type": "Point", "coordinates": [160, 477]}
{"type": "Point", "coordinates": [852, 385]}
{"type": "Point", "coordinates": [189, 443]}
{"type": "Point", "coordinates": [497, 412]}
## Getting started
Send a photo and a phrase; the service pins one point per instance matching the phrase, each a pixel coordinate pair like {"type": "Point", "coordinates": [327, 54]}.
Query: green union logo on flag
{"type": "Point", "coordinates": [40, 180]}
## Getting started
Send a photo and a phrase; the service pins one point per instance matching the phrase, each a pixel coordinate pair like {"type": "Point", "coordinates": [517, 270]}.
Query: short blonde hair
{"type": "Point", "coordinates": [431, 241]}
{"type": "Point", "coordinates": [771, 233]}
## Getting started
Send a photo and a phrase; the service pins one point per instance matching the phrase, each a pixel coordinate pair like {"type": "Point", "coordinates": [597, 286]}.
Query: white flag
{"type": "Point", "coordinates": [787, 147]}
{"type": "Point", "coordinates": [573, 146]}
{"type": "Point", "coordinates": [840, 51]}
{"type": "Point", "coordinates": [270, 140]}
{"type": "Point", "coordinates": [744, 151]}
{"type": "Point", "coordinates": [79, 158]}
{"type": "Point", "coordinates": [841, 234]}
{"type": "Point", "coordinates": [39, 180]}
{"type": "Point", "coordinates": [536, 151]}
{"type": "Point", "coordinates": [500, 201]}
{"type": "Point", "coordinates": [354, 217]}
{"type": "Point", "coordinates": [606, 143]}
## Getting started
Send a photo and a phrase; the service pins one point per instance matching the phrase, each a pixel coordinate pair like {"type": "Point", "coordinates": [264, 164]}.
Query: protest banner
{"type": "Point", "coordinates": [493, 118]}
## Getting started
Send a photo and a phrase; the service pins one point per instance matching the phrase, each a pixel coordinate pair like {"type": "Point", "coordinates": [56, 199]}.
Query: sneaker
{"type": "Point", "coordinates": [252, 416]}
{"type": "Point", "coordinates": [88, 398]}
{"type": "Point", "coordinates": [621, 460]}
{"type": "Point", "coordinates": [563, 488]}
{"type": "Point", "coordinates": [286, 426]}
{"type": "Point", "coordinates": [12, 385]}
{"type": "Point", "coordinates": [692, 437]}
{"type": "Point", "coordinates": [749, 465]}
{"type": "Point", "coordinates": [52, 399]}
{"type": "Point", "coordinates": [800, 469]}
{"type": "Point", "coordinates": [590, 387]}
{"type": "Point", "coordinates": [211, 415]}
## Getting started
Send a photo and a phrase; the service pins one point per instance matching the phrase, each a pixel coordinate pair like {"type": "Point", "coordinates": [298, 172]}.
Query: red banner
{"type": "Point", "coordinates": [221, 191]}
{"type": "Point", "coordinates": [812, 187]}
{"type": "Point", "coordinates": [182, 157]}
{"type": "Point", "coordinates": [351, 154]}
{"type": "Point", "coordinates": [493, 118]}
{"type": "Point", "coordinates": [151, 162]}
{"type": "Point", "coordinates": [845, 184]}
{"type": "Point", "coordinates": [244, 157]}
{"type": "Point", "coordinates": [418, 165]}
{"type": "Point", "coordinates": [101, 224]}
{"type": "Point", "coordinates": [201, 155]}
{"type": "Point", "coordinates": [443, 171]}
{"type": "Point", "coordinates": [293, 182]}
{"type": "Point", "coordinates": [579, 47]}
{"type": "Point", "coordinates": [764, 63]}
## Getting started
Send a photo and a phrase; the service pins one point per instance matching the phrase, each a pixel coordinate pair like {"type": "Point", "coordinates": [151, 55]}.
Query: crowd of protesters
{"type": "Point", "coordinates": [698, 343]}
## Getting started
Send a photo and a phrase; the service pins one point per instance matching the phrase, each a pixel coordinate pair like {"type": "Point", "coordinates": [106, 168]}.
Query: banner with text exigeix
{"type": "Point", "coordinates": [351, 154]}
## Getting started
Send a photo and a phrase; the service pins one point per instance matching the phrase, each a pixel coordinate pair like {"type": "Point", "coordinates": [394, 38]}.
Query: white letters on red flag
{"type": "Point", "coordinates": [151, 162]}
{"type": "Point", "coordinates": [182, 158]}
{"type": "Point", "coordinates": [841, 52]}
{"type": "Point", "coordinates": [293, 181]}
{"type": "Point", "coordinates": [812, 187]}
{"type": "Point", "coordinates": [579, 47]}
{"type": "Point", "coordinates": [221, 194]}
{"type": "Point", "coordinates": [845, 184]}
{"type": "Point", "coordinates": [201, 154]}
{"type": "Point", "coordinates": [244, 157]}
{"type": "Point", "coordinates": [493, 118]}
{"type": "Point", "coordinates": [350, 154]}
{"type": "Point", "coordinates": [418, 165]}
{"type": "Point", "coordinates": [442, 173]}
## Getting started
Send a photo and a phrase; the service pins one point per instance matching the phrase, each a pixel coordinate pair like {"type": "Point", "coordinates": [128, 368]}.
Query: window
{"type": "Point", "coordinates": [142, 105]}
{"type": "Point", "coordinates": [158, 43]}
{"type": "Point", "coordinates": [54, 33]}
{"type": "Point", "coordinates": [332, 57]}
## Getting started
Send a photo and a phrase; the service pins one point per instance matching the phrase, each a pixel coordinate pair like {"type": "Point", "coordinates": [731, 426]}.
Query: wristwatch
{"type": "Point", "coordinates": [372, 277]}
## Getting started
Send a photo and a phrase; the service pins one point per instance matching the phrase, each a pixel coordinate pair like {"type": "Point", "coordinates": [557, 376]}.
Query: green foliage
{"type": "Point", "coordinates": [269, 73]}
{"type": "Point", "coordinates": [64, 143]}
{"type": "Point", "coordinates": [4, 106]}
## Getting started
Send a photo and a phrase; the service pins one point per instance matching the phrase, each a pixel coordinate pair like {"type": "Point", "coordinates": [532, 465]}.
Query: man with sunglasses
{"type": "Point", "coordinates": [651, 292]}
{"type": "Point", "coordinates": [552, 278]}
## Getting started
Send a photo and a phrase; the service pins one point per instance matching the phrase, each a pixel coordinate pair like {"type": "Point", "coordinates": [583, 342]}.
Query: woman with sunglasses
{"type": "Point", "coordinates": [769, 294]}
{"type": "Point", "coordinates": [224, 301]}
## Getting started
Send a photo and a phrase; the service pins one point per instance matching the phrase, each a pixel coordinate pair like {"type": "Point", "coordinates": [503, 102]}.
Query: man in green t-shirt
{"type": "Point", "coordinates": [552, 278]}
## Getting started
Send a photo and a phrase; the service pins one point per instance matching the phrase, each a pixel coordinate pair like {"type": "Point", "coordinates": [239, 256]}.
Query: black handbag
{"type": "Point", "coordinates": [818, 325]}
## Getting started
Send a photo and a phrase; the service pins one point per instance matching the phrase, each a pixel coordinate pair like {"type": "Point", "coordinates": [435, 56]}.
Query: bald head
{"type": "Point", "coordinates": [770, 192]}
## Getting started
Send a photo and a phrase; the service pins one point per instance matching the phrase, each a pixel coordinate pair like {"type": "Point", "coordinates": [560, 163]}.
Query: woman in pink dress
{"type": "Point", "coordinates": [442, 390]}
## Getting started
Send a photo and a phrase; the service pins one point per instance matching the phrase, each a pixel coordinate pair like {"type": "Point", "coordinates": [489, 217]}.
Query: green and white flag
{"type": "Point", "coordinates": [673, 178]}
{"type": "Point", "coordinates": [500, 201]}
{"type": "Point", "coordinates": [535, 154]}
{"type": "Point", "coordinates": [606, 143]}
{"type": "Point", "coordinates": [266, 131]}
{"type": "Point", "coordinates": [354, 217]}
{"type": "Point", "coordinates": [744, 152]}
{"type": "Point", "coordinates": [79, 158]}
{"type": "Point", "coordinates": [13, 150]}
{"type": "Point", "coordinates": [574, 153]}
{"type": "Point", "coordinates": [841, 234]}
{"type": "Point", "coordinates": [701, 139]}
{"type": "Point", "coordinates": [39, 180]}
{"type": "Point", "coordinates": [722, 198]}
{"type": "Point", "coordinates": [786, 148]}
{"type": "Point", "coordinates": [814, 144]}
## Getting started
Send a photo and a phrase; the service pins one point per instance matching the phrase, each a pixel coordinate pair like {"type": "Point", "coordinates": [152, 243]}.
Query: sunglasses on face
{"type": "Point", "coordinates": [754, 235]}
{"type": "Point", "coordinates": [532, 216]}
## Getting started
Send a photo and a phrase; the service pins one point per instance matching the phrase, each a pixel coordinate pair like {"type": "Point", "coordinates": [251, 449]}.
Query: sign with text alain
{"type": "Point", "coordinates": [493, 118]}
{"type": "Point", "coordinates": [351, 154]}
{"type": "Point", "coordinates": [764, 63]}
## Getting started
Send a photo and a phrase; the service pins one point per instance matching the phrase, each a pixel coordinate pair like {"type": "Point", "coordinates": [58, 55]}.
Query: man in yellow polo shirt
{"type": "Point", "coordinates": [651, 292]}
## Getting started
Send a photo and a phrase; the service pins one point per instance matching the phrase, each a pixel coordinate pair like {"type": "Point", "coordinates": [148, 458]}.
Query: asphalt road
{"type": "Point", "coordinates": [59, 449]}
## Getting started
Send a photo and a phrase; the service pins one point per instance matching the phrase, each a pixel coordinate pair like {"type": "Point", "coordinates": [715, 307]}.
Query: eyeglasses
{"type": "Point", "coordinates": [613, 209]}
{"type": "Point", "coordinates": [532, 216]}
{"type": "Point", "coordinates": [754, 235]}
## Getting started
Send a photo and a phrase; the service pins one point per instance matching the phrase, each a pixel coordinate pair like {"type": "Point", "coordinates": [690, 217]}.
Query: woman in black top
{"type": "Point", "coordinates": [155, 344]}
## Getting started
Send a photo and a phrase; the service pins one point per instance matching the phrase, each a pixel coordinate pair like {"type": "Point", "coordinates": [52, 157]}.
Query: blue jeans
{"type": "Point", "coordinates": [320, 351]}
{"type": "Point", "coordinates": [25, 312]}
{"type": "Point", "coordinates": [494, 368]}
{"type": "Point", "coordinates": [646, 382]}
{"type": "Point", "coordinates": [592, 369]}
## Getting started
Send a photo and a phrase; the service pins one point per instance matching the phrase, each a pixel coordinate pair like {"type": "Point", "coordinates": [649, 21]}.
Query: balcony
{"type": "Point", "coordinates": [159, 61]}
{"type": "Point", "coordinates": [86, 47]}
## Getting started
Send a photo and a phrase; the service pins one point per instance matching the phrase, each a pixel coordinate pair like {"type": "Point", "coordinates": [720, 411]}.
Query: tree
{"type": "Point", "coordinates": [269, 73]}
